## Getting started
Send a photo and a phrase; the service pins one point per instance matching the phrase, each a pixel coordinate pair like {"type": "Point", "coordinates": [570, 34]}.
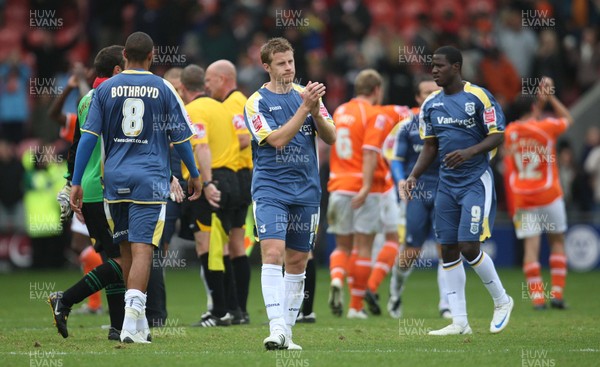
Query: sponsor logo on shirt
{"type": "Point", "coordinates": [274, 108]}
{"type": "Point", "coordinates": [489, 116]}
{"type": "Point", "coordinates": [323, 111]}
{"type": "Point", "coordinates": [306, 129]}
{"type": "Point", "coordinates": [437, 104]}
{"type": "Point", "coordinates": [200, 131]}
{"type": "Point", "coordinates": [257, 122]}
{"type": "Point", "coordinates": [238, 122]}
{"type": "Point", "coordinates": [460, 122]}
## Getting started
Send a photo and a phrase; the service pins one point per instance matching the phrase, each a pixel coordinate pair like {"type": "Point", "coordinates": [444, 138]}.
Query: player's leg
{"type": "Point", "coordinates": [89, 259]}
{"type": "Point", "coordinates": [307, 315]}
{"type": "Point", "coordinates": [146, 224]}
{"type": "Point", "coordinates": [557, 226]}
{"type": "Point", "coordinates": [237, 250]}
{"type": "Point", "coordinates": [339, 218]}
{"type": "Point", "coordinates": [202, 214]}
{"type": "Point", "coordinates": [418, 225]}
{"type": "Point", "coordinates": [271, 223]}
{"type": "Point", "coordinates": [393, 305]}
{"type": "Point", "coordinates": [156, 308]}
{"type": "Point", "coordinates": [558, 269]}
{"type": "Point", "coordinates": [533, 271]}
{"type": "Point", "coordinates": [528, 229]}
{"type": "Point", "coordinates": [108, 274]}
{"type": "Point", "coordinates": [390, 216]}
{"type": "Point", "coordinates": [366, 223]}
{"type": "Point", "coordinates": [443, 305]}
{"type": "Point", "coordinates": [478, 203]}
{"type": "Point", "coordinates": [228, 215]}
{"type": "Point", "coordinates": [300, 240]}
{"type": "Point", "coordinates": [446, 224]}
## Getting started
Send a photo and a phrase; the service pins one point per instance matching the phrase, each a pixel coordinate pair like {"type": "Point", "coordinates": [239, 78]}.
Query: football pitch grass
{"type": "Point", "coordinates": [533, 338]}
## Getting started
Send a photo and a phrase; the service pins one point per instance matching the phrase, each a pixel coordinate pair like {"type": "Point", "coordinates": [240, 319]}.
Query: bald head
{"type": "Point", "coordinates": [220, 79]}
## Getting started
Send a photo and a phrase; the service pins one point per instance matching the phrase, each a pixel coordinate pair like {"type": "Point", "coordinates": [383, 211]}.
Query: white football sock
{"type": "Point", "coordinates": [399, 276]}
{"type": "Point", "coordinates": [442, 287]}
{"type": "Point", "coordinates": [294, 295]}
{"type": "Point", "coordinates": [135, 304]}
{"type": "Point", "coordinates": [456, 279]}
{"type": "Point", "coordinates": [209, 300]}
{"type": "Point", "coordinates": [484, 267]}
{"type": "Point", "coordinates": [273, 290]}
{"type": "Point", "coordinates": [142, 322]}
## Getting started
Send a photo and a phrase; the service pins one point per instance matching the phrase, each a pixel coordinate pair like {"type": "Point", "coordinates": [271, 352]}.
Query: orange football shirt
{"type": "Point", "coordinates": [530, 157]}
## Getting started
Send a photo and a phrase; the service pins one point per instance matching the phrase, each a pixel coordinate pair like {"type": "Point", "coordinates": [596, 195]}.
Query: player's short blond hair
{"type": "Point", "coordinates": [274, 45]}
{"type": "Point", "coordinates": [366, 81]}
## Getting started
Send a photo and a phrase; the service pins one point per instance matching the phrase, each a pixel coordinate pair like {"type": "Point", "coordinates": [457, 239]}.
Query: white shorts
{"type": "Point", "coordinates": [343, 220]}
{"type": "Point", "coordinates": [551, 218]}
{"type": "Point", "coordinates": [78, 227]}
{"type": "Point", "coordinates": [390, 212]}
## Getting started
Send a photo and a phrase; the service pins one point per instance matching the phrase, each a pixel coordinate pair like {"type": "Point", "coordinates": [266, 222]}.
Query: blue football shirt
{"type": "Point", "coordinates": [137, 114]}
{"type": "Point", "coordinates": [291, 173]}
{"type": "Point", "coordinates": [408, 147]}
{"type": "Point", "coordinates": [460, 121]}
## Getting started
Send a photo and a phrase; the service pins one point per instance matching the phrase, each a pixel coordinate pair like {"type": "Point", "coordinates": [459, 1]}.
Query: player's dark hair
{"type": "Point", "coordinates": [420, 79]}
{"type": "Point", "coordinates": [138, 46]}
{"type": "Point", "coordinates": [274, 45]}
{"type": "Point", "coordinates": [107, 59]}
{"type": "Point", "coordinates": [451, 53]}
{"type": "Point", "coordinates": [192, 78]}
{"type": "Point", "coordinates": [522, 106]}
{"type": "Point", "coordinates": [366, 81]}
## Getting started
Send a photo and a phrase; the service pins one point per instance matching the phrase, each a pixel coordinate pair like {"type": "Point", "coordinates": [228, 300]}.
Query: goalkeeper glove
{"type": "Point", "coordinates": [64, 200]}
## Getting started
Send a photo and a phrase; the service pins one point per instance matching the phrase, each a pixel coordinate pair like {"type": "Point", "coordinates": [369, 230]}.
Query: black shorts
{"type": "Point", "coordinates": [227, 182]}
{"type": "Point", "coordinates": [97, 225]}
{"type": "Point", "coordinates": [244, 176]}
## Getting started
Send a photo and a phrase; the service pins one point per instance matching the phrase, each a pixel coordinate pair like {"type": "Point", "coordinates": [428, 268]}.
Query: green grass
{"type": "Point", "coordinates": [549, 338]}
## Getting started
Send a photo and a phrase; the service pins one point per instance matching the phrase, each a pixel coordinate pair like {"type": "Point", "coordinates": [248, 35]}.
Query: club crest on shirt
{"type": "Point", "coordinates": [474, 228]}
{"type": "Point", "coordinates": [470, 108]}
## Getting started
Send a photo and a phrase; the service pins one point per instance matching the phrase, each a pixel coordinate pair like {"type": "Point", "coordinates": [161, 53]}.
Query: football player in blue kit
{"type": "Point", "coordinates": [420, 210]}
{"type": "Point", "coordinates": [136, 167]}
{"type": "Point", "coordinates": [464, 124]}
{"type": "Point", "coordinates": [284, 119]}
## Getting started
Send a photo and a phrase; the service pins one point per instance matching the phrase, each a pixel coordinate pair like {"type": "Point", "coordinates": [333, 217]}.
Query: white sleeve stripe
{"type": "Point", "coordinates": [181, 106]}
{"type": "Point", "coordinates": [371, 147]}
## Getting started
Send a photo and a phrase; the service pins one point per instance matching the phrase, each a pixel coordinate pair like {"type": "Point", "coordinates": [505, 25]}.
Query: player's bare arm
{"type": "Point", "coordinates": [369, 165]}
{"type": "Point", "coordinates": [426, 157]}
{"type": "Point", "coordinates": [194, 188]}
{"type": "Point", "coordinates": [244, 140]}
{"type": "Point", "coordinates": [282, 136]}
{"type": "Point", "coordinates": [546, 95]}
{"type": "Point", "coordinates": [55, 110]}
{"type": "Point", "coordinates": [204, 158]}
{"type": "Point", "coordinates": [456, 158]}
